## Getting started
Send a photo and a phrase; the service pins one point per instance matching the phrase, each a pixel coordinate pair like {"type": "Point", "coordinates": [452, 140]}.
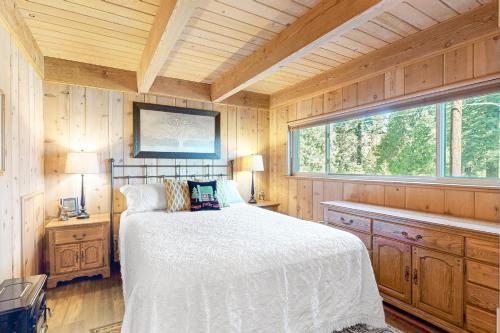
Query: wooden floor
{"type": "Point", "coordinates": [89, 303]}
{"type": "Point", "coordinates": [84, 304]}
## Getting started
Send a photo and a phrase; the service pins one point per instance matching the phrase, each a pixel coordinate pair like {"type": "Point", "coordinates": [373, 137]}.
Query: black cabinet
{"type": "Point", "coordinates": [23, 305]}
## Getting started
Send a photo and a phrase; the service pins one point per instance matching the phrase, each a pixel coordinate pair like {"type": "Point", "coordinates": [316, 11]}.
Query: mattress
{"type": "Point", "coordinates": [243, 269]}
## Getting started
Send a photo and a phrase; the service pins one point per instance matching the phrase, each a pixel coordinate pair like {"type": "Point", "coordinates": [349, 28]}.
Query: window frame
{"type": "Point", "coordinates": [438, 179]}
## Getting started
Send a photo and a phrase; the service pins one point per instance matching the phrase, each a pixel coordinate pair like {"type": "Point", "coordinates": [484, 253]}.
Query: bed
{"type": "Point", "coordinates": [243, 269]}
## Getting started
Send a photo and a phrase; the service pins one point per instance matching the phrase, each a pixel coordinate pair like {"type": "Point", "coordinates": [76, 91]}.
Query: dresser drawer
{"type": "Point", "coordinates": [365, 238]}
{"type": "Point", "coordinates": [485, 275]}
{"type": "Point", "coordinates": [347, 220]}
{"type": "Point", "coordinates": [424, 237]}
{"type": "Point", "coordinates": [482, 250]}
{"type": "Point", "coordinates": [479, 321]}
{"type": "Point", "coordinates": [482, 297]}
{"type": "Point", "coordinates": [78, 234]}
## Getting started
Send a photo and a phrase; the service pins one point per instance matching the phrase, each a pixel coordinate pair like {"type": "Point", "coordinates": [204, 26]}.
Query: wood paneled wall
{"type": "Point", "coordinates": [20, 231]}
{"type": "Point", "coordinates": [301, 196]}
{"type": "Point", "coordinates": [98, 120]}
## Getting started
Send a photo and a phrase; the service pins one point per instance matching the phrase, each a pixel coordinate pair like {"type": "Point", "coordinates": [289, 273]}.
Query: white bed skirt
{"type": "Point", "coordinates": [243, 269]}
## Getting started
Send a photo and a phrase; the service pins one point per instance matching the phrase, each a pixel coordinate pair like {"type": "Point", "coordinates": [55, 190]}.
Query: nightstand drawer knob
{"type": "Point", "coordinates": [79, 238]}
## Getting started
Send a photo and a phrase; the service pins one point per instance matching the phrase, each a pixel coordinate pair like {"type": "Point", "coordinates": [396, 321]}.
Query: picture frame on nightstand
{"type": "Point", "coordinates": [71, 205]}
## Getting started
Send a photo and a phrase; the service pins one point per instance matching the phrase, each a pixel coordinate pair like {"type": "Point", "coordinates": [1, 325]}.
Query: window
{"type": "Point", "coordinates": [472, 138]}
{"type": "Point", "coordinates": [311, 153]}
{"type": "Point", "coordinates": [460, 138]}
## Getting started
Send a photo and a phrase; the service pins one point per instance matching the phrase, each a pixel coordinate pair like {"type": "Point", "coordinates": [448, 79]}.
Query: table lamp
{"type": "Point", "coordinates": [252, 163]}
{"type": "Point", "coordinates": [82, 163]}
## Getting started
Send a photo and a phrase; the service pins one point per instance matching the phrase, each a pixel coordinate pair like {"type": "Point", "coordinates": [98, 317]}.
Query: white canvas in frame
{"type": "Point", "coordinates": [176, 132]}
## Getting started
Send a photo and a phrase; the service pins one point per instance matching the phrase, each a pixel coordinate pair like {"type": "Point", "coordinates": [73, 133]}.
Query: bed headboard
{"type": "Point", "coordinates": [122, 174]}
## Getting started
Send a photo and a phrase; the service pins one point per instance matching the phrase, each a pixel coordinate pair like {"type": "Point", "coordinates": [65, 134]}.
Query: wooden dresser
{"type": "Point", "coordinates": [440, 268]}
{"type": "Point", "coordinates": [77, 248]}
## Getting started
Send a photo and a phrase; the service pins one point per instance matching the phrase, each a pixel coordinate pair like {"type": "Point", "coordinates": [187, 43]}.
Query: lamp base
{"type": "Point", "coordinates": [252, 201]}
{"type": "Point", "coordinates": [83, 215]}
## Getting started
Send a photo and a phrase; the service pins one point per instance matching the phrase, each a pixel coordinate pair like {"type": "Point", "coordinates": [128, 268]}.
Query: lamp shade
{"type": "Point", "coordinates": [252, 163]}
{"type": "Point", "coordinates": [82, 163]}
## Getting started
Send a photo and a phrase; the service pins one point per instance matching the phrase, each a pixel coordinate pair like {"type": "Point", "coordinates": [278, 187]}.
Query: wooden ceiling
{"type": "Point", "coordinates": [223, 32]}
{"type": "Point", "coordinates": [219, 34]}
{"type": "Point", "coordinates": [404, 19]}
{"type": "Point", "coordinates": [107, 33]}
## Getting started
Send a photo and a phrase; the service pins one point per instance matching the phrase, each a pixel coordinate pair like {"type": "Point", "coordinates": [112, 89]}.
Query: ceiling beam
{"type": "Point", "coordinates": [169, 22]}
{"type": "Point", "coordinates": [465, 28]}
{"type": "Point", "coordinates": [12, 20]}
{"type": "Point", "coordinates": [201, 92]}
{"type": "Point", "coordinates": [101, 77]}
{"type": "Point", "coordinates": [319, 25]}
{"type": "Point", "coordinates": [88, 75]}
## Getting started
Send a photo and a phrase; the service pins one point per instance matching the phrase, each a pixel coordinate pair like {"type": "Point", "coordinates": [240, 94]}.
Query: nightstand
{"type": "Point", "coordinates": [269, 205]}
{"type": "Point", "coordinates": [77, 248]}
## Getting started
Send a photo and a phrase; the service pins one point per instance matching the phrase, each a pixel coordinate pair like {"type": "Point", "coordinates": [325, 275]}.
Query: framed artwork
{"type": "Point", "coordinates": [2, 133]}
{"type": "Point", "coordinates": [71, 205]}
{"type": "Point", "coordinates": [162, 131]}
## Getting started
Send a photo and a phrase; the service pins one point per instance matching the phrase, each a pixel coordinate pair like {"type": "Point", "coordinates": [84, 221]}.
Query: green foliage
{"type": "Point", "coordinates": [480, 136]}
{"type": "Point", "coordinates": [312, 149]}
{"type": "Point", "coordinates": [404, 142]}
{"type": "Point", "coordinates": [408, 146]}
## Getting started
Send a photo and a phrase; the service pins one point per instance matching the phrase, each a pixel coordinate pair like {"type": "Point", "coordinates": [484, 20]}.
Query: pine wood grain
{"type": "Point", "coordinates": [435, 40]}
{"type": "Point", "coordinates": [22, 183]}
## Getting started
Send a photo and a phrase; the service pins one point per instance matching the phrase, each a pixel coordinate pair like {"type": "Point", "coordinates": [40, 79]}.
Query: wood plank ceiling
{"type": "Point", "coordinates": [108, 33]}
{"type": "Point", "coordinates": [223, 32]}
{"type": "Point", "coordinates": [219, 34]}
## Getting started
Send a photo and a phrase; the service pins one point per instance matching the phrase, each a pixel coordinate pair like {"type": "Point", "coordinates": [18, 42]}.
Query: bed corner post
{"type": "Point", "coordinates": [111, 236]}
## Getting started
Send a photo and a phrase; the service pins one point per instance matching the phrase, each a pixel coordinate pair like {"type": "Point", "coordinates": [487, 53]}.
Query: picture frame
{"type": "Point", "coordinates": [71, 204]}
{"type": "Point", "coordinates": [2, 133]}
{"type": "Point", "coordinates": [162, 131]}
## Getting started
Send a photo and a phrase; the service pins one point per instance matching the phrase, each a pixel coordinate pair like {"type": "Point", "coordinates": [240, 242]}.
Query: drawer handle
{"type": "Point", "coordinates": [79, 238]}
{"type": "Point", "coordinates": [415, 276]}
{"type": "Point", "coordinates": [407, 273]}
{"type": "Point", "coordinates": [342, 219]}
{"type": "Point", "coordinates": [416, 238]}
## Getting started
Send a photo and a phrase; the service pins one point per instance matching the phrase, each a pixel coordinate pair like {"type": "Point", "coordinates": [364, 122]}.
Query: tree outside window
{"type": "Point", "coordinates": [405, 143]}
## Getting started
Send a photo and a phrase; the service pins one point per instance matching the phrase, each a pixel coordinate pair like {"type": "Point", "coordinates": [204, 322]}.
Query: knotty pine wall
{"type": "Point", "coordinates": [22, 185]}
{"type": "Point", "coordinates": [98, 120]}
{"type": "Point", "coordinates": [301, 196]}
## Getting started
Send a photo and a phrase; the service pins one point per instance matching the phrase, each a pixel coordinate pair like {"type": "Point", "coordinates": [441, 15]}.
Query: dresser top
{"type": "Point", "coordinates": [93, 219]}
{"type": "Point", "coordinates": [265, 203]}
{"type": "Point", "coordinates": [446, 220]}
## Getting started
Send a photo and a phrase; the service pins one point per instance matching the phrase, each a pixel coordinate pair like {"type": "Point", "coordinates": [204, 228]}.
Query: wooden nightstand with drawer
{"type": "Point", "coordinates": [77, 248]}
{"type": "Point", "coordinates": [269, 205]}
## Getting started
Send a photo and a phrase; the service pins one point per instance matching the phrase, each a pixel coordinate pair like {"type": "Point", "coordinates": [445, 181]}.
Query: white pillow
{"type": "Point", "coordinates": [145, 197]}
{"type": "Point", "coordinates": [231, 191]}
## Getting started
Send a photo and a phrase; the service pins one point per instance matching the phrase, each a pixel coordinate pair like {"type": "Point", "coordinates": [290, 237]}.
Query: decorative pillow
{"type": "Point", "coordinates": [203, 195]}
{"type": "Point", "coordinates": [231, 192]}
{"type": "Point", "coordinates": [144, 197]}
{"type": "Point", "coordinates": [221, 193]}
{"type": "Point", "coordinates": [177, 195]}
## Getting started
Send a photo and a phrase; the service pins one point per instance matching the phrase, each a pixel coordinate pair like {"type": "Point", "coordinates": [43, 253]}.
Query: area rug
{"type": "Point", "coordinates": [115, 328]}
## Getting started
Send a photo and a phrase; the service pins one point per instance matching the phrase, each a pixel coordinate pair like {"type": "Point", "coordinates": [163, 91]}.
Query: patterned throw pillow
{"type": "Point", "coordinates": [177, 195]}
{"type": "Point", "coordinates": [203, 195]}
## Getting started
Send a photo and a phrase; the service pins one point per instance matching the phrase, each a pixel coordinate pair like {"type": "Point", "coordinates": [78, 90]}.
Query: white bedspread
{"type": "Point", "coordinates": [243, 269]}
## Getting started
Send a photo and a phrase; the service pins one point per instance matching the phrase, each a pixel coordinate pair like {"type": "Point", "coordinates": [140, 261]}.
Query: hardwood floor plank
{"type": "Point", "coordinates": [84, 304]}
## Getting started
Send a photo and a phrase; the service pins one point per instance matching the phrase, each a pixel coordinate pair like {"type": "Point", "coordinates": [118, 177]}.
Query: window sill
{"type": "Point", "coordinates": [483, 184]}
